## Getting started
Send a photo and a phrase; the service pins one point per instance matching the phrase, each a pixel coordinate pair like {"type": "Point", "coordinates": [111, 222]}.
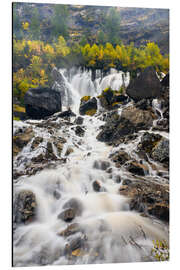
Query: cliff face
{"type": "Point", "coordinates": [136, 24]}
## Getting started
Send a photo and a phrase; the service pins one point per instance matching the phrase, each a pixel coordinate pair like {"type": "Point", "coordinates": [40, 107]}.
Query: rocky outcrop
{"type": "Point", "coordinates": [161, 151]}
{"type": "Point", "coordinates": [156, 147]}
{"type": "Point", "coordinates": [131, 120]}
{"type": "Point", "coordinates": [149, 198]}
{"type": "Point", "coordinates": [119, 157]}
{"type": "Point", "coordinates": [42, 102]}
{"type": "Point", "coordinates": [25, 206]}
{"type": "Point", "coordinates": [88, 106]}
{"type": "Point", "coordinates": [110, 99]}
{"type": "Point", "coordinates": [21, 139]}
{"type": "Point", "coordinates": [146, 85]}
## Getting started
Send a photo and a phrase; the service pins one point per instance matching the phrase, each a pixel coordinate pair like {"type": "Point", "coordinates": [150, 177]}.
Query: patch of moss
{"type": "Point", "coordinates": [107, 89]}
{"type": "Point", "coordinates": [85, 98]}
{"type": "Point", "coordinates": [18, 108]}
{"type": "Point", "coordinates": [115, 103]}
{"type": "Point", "coordinates": [16, 118]}
{"type": "Point", "coordinates": [91, 112]}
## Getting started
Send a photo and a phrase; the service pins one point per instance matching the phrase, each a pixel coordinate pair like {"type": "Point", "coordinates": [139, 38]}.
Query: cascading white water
{"type": "Point", "coordinates": [76, 84]}
{"type": "Point", "coordinates": [114, 233]}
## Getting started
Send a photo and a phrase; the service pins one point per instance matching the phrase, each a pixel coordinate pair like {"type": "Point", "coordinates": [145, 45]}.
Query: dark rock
{"type": "Point", "coordinates": [74, 204]}
{"type": "Point", "coordinates": [117, 179]}
{"type": "Point", "coordinates": [146, 85]}
{"type": "Point", "coordinates": [120, 98]}
{"type": "Point", "coordinates": [131, 120]}
{"type": "Point", "coordinates": [109, 170]}
{"type": "Point", "coordinates": [67, 215]}
{"type": "Point", "coordinates": [119, 157]}
{"type": "Point", "coordinates": [22, 139]}
{"type": "Point", "coordinates": [136, 168]}
{"type": "Point", "coordinates": [37, 140]}
{"type": "Point", "coordinates": [165, 81]}
{"type": "Point", "coordinates": [105, 165]}
{"type": "Point", "coordinates": [79, 120]}
{"type": "Point", "coordinates": [42, 102]}
{"type": "Point", "coordinates": [88, 107]}
{"type": "Point", "coordinates": [25, 206]}
{"type": "Point", "coordinates": [149, 198]}
{"type": "Point", "coordinates": [101, 165]}
{"type": "Point", "coordinates": [148, 142]}
{"type": "Point", "coordinates": [68, 113]}
{"type": "Point", "coordinates": [38, 159]}
{"type": "Point", "coordinates": [96, 186]}
{"type": "Point", "coordinates": [161, 151]}
{"type": "Point", "coordinates": [74, 244]}
{"type": "Point", "coordinates": [127, 182]}
{"type": "Point", "coordinates": [142, 104]}
{"type": "Point", "coordinates": [79, 131]}
{"type": "Point", "coordinates": [49, 151]}
{"type": "Point", "coordinates": [57, 194]}
{"type": "Point", "coordinates": [71, 229]}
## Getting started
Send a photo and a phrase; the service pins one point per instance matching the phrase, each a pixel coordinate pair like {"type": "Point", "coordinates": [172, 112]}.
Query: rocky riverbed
{"type": "Point", "coordinates": [94, 187]}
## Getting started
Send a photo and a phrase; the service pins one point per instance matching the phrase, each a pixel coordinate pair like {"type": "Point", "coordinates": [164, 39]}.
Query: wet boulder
{"type": "Point", "coordinates": [79, 131]}
{"type": "Point", "coordinates": [42, 102]}
{"type": "Point", "coordinates": [155, 146]}
{"type": "Point", "coordinates": [88, 106]}
{"type": "Point", "coordinates": [136, 168]}
{"type": "Point", "coordinates": [71, 229]}
{"type": "Point", "coordinates": [148, 142]}
{"type": "Point", "coordinates": [101, 164]}
{"type": "Point", "coordinates": [96, 186]}
{"type": "Point", "coordinates": [119, 157]}
{"type": "Point", "coordinates": [148, 198]}
{"type": "Point", "coordinates": [110, 99]}
{"type": "Point", "coordinates": [67, 215]}
{"type": "Point", "coordinates": [25, 206]}
{"type": "Point", "coordinates": [161, 151]}
{"type": "Point", "coordinates": [130, 121]}
{"type": "Point", "coordinates": [66, 114]}
{"type": "Point", "coordinates": [79, 120]}
{"type": "Point", "coordinates": [74, 204]}
{"type": "Point", "coordinates": [146, 85]}
{"type": "Point", "coordinates": [37, 140]}
{"type": "Point", "coordinates": [21, 139]}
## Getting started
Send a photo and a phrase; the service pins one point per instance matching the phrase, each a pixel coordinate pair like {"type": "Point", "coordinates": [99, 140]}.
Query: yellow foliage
{"type": "Point", "coordinates": [160, 250]}
{"type": "Point", "coordinates": [25, 25]}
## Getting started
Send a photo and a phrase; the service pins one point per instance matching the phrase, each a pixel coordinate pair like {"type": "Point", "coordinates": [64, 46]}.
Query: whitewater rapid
{"type": "Point", "coordinates": [113, 232]}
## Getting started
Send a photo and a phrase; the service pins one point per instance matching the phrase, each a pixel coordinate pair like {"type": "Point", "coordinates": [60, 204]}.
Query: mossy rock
{"type": "Point", "coordinates": [85, 99]}
{"type": "Point", "coordinates": [89, 107]}
{"type": "Point", "coordinates": [91, 112]}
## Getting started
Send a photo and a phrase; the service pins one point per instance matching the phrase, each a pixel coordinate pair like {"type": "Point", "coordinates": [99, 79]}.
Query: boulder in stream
{"type": "Point", "coordinates": [25, 206]}
{"type": "Point", "coordinates": [88, 106]}
{"type": "Point", "coordinates": [42, 102]}
{"type": "Point", "coordinates": [146, 85]}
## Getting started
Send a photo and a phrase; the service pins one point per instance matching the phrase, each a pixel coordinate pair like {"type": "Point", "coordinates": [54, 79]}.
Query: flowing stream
{"type": "Point", "coordinates": [110, 231]}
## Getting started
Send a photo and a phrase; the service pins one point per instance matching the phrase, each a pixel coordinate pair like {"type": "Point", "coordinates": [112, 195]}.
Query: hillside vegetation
{"type": "Point", "coordinates": [89, 37]}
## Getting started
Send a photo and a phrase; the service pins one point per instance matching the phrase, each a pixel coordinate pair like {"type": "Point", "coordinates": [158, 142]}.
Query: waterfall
{"type": "Point", "coordinates": [75, 84]}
